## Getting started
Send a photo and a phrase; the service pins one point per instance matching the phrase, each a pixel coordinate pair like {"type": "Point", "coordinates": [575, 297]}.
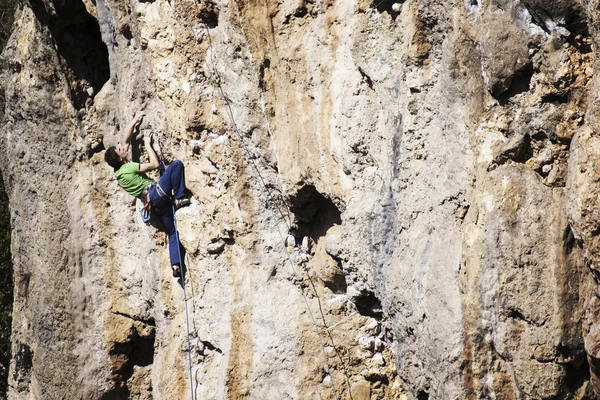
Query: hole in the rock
{"type": "Point", "coordinates": [142, 352]}
{"type": "Point", "coordinates": [116, 394]}
{"type": "Point", "coordinates": [569, 241]}
{"type": "Point", "coordinates": [369, 305]}
{"type": "Point", "coordinates": [138, 351]}
{"type": "Point", "coordinates": [577, 25]}
{"type": "Point", "coordinates": [23, 363]}
{"type": "Point", "coordinates": [142, 349]}
{"type": "Point", "coordinates": [82, 53]}
{"type": "Point", "coordinates": [315, 213]}
{"type": "Point", "coordinates": [300, 12]}
{"type": "Point", "coordinates": [96, 148]}
{"type": "Point", "coordinates": [126, 32]}
{"type": "Point", "coordinates": [387, 6]}
{"type": "Point", "coordinates": [520, 152]}
{"type": "Point", "coordinates": [516, 314]}
{"type": "Point", "coordinates": [208, 345]}
{"type": "Point", "coordinates": [520, 84]}
{"type": "Point", "coordinates": [422, 395]}
{"type": "Point", "coordinates": [560, 97]}
{"type": "Point", "coordinates": [210, 16]}
{"type": "Point", "coordinates": [577, 372]}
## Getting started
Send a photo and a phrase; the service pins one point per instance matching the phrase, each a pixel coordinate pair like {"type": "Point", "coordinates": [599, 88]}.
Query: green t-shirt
{"type": "Point", "coordinates": [130, 178]}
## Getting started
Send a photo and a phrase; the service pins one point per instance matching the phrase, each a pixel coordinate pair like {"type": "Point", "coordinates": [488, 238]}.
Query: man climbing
{"type": "Point", "coordinates": [157, 195]}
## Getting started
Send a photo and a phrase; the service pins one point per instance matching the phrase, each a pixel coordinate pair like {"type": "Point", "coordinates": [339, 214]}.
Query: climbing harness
{"type": "Point", "coordinates": [146, 204]}
{"type": "Point", "coordinates": [225, 101]}
{"type": "Point", "coordinates": [162, 169]}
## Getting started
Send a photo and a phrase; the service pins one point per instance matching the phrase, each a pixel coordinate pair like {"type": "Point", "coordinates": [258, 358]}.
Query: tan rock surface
{"type": "Point", "coordinates": [432, 164]}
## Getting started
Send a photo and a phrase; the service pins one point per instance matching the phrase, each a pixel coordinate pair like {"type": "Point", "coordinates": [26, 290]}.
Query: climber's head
{"type": "Point", "coordinates": [116, 156]}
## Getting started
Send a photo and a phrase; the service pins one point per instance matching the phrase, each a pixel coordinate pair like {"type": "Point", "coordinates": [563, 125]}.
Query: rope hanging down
{"type": "Point", "coordinates": [163, 168]}
{"type": "Point", "coordinates": [227, 107]}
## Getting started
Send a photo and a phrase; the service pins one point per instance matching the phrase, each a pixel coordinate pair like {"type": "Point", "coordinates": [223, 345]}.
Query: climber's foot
{"type": "Point", "coordinates": [184, 202]}
{"type": "Point", "coordinates": [176, 271]}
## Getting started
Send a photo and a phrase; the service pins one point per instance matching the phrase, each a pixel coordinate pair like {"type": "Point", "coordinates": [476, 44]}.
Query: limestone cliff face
{"type": "Point", "coordinates": [403, 193]}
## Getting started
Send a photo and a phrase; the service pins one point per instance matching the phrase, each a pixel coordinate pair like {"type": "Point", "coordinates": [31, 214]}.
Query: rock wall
{"type": "Point", "coordinates": [392, 200]}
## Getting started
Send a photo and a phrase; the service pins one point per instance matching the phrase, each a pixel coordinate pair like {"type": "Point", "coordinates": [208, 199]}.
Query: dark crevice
{"type": "Point", "coordinates": [369, 305]}
{"type": "Point", "coordinates": [577, 373]}
{"type": "Point", "coordinates": [126, 32]}
{"type": "Point", "coordinates": [520, 83]}
{"type": "Point", "coordinates": [559, 97]}
{"type": "Point", "coordinates": [595, 274]}
{"type": "Point", "coordinates": [386, 6]}
{"type": "Point", "coordinates": [209, 15]}
{"type": "Point", "coordinates": [519, 150]}
{"type": "Point", "coordinates": [366, 78]}
{"type": "Point", "coordinates": [261, 73]}
{"type": "Point", "coordinates": [150, 322]}
{"type": "Point", "coordinates": [97, 148]}
{"type": "Point", "coordinates": [538, 17]}
{"type": "Point", "coordinates": [377, 377]}
{"type": "Point", "coordinates": [524, 152]}
{"type": "Point", "coordinates": [118, 393]}
{"type": "Point", "coordinates": [519, 316]}
{"type": "Point", "coordinates": [516, 314]}
{"type": "Point", "coordinates": [314, 212]}
{"type": "Point", "coordinates": [569, 240]}
{"type": "Point", "coordinates": [23, 362]}
{"type": "Point", "coordinates": [300, 12]}
{"type": "Point", "coordinates": [142, 352]}
{"type": "Point", "coordinates": [422, 395]}
{"type": "Point", "coordinates": [82, 54]}
{"type": "Point", "coordinates": [136, 350]}
{"type": "Point", "coordinates": [208, 345]}
{"type": "Point", "coordinates": [577, 25]}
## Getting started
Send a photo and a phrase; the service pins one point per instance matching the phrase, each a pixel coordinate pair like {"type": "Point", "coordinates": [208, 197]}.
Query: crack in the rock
{"type": "Point", "coordinates": [208, 345]}
{"type": "Point", "coordinates": [150, 322]}
{"type": "Point", "coordinates": [538, 19]}
{"type": "Point", "coordinates": [518, 315]}
{"type": "Point", "coordinates": [366, 78]}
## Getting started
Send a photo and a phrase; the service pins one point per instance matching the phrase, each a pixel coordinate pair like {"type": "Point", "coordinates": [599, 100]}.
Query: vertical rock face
{"type": "Point", "coordinates": [391, 200]}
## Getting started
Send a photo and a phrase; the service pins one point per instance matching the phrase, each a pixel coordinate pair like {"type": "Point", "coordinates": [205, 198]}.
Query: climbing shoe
{"type": "Point", "coordinates": [184, 202]}
{"type": "Point", "coordinates": [176, 271]}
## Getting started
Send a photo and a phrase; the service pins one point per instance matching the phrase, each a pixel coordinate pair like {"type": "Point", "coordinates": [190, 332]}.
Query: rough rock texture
{"type": "Point", "coordinates": [406, 192]}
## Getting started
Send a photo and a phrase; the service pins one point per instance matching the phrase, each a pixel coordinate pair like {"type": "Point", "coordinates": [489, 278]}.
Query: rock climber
{"type": "Point", "coordinates": [131, 177]}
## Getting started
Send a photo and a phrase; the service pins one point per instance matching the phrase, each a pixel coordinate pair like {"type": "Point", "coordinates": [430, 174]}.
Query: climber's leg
{"type": "Point", "coordinates": [173, 180]}
{"type": "Point", "coordinates": [167, 221]}
{"type": "Point", "coordinates": [162, 209]}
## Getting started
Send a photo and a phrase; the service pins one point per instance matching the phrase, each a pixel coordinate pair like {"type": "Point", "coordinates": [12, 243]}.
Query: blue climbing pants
{"type": "Point", "coordinates": [172, 182]}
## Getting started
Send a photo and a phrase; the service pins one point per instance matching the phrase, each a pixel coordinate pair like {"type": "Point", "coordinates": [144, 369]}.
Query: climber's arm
{"type": "Point", "coordinates": [153, 162]}
{"type": "Point", "coordinates": [128, 135]}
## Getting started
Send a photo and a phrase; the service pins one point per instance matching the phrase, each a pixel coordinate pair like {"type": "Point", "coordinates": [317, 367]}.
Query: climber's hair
{"type": "Point", "coordinates": [112, 158]}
